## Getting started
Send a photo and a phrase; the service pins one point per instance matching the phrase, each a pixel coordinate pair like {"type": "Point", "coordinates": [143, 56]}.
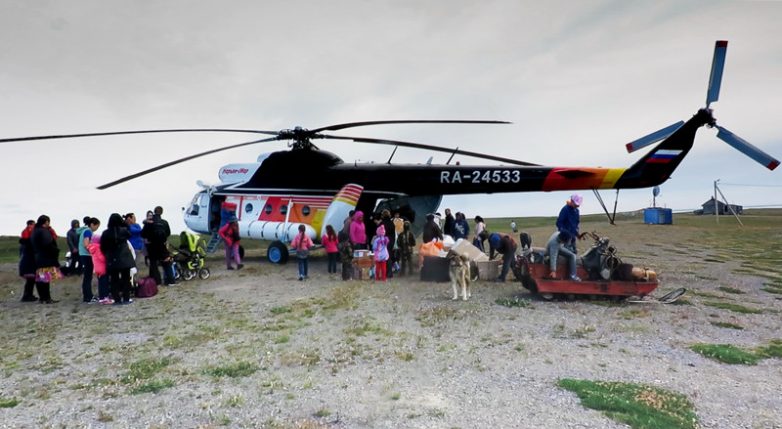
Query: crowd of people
{"type": "Point", "coordinates": [113, 257]}
{"type": "Point", "coordinates": [108, 260]}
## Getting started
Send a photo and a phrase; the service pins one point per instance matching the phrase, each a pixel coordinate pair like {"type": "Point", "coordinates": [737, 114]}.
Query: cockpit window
{"type": "Point", "coordinates": [194, 205]}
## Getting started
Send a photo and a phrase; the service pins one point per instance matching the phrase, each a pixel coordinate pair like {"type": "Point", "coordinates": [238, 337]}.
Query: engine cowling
{"type": "Point", "coordinates": [234, 173]}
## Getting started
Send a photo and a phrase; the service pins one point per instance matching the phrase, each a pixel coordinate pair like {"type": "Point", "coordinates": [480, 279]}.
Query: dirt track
{"type": "Point", "coordinates": [256, 348]}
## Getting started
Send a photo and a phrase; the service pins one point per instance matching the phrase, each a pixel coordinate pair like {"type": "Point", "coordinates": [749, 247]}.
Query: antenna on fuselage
{"type": "Point", "coordinates": [429, 161]}
{"type": "Point", "coordinates": [392, 154]}
{"type": "Point", "coordinates": [455, 151]}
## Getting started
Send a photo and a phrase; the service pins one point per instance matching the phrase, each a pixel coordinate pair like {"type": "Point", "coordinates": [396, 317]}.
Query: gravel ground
{"type": "Point", "coordinates": [330, 354]}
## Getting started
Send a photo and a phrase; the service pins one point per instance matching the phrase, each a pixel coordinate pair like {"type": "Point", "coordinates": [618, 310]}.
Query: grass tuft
{"type": "Point", "coordinates": [153, 386]}
{"type": "Point", "coordinates": [513, 302]}
{"type": "Point", "coordinates": [773, 350]}
{"type": "Point", "coordinates": [238, 369]}
{"type": "Point", "coordinates": [733, 307]}
{"type": "Point", "coordinates": [144, 369]}
{"type": "Point", "coordinates": [733, 290]}
{"type": "Point", "coordinates": [8, 402]}
{"type": "Point", "coordinates": [726, 353]}
{"type": "Point", "coordinates": [727, 325]}
{"type": "Point", "coordinates": [637, 405]}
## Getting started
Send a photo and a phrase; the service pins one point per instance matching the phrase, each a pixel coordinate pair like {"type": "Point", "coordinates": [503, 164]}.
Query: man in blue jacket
{"type": "Point", "coordinates": [569, 219]}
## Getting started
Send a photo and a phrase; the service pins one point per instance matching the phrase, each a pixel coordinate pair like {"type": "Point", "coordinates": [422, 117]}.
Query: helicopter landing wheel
{"type": "Point", "coordinates": [204, 273]}
{"type": "Point", "coordinates": [277, 253]}
{"type": "Point", "coordinates": [189, 274]}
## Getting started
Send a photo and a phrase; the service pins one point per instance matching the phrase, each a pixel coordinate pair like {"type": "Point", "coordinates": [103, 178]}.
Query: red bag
{"type": "Point", "coordinates": [147, 287]}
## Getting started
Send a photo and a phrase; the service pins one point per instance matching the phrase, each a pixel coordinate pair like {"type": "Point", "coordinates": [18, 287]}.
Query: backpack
{"type": "Point", "coordinates": [159, 233]}
{"type": "Point", "coordinates": [147, 287]}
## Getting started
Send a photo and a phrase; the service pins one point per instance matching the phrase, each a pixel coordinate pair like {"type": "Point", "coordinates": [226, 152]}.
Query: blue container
{"type": "Point", "coordinates": [658, 216]}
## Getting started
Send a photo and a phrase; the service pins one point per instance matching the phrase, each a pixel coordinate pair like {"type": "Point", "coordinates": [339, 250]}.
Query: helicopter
{"type": "Point", "coordinates": [271, 203]}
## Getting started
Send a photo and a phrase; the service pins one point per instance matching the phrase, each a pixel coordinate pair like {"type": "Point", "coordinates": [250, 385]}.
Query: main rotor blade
{"type": "Point", "coordinates": [414, 121]}
{"type": "Point", "coordinates": [717, 65]}
{"type": "Point", "coordinates": [180, 160]}
{"type": "Point", "coordinates": [428, 147]}
{"type": "Point", "coordinates": [115, 133]}
{"type": "Point", "coordinates": [747, 149]}
{"type": "Point", "coordinates": [653, 137]}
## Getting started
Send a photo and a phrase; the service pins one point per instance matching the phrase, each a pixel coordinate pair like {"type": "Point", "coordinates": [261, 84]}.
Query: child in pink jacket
{"type": "Point", "coordinates": [380, 248]}
{"type": "Point", "coordinates": [99, 268]}
{"type": "Point", "coordinates": [330, 243]}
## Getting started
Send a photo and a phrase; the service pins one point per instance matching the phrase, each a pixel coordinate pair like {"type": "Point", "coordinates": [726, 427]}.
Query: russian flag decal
{"type": "Point", "coordinates": [664, 155]}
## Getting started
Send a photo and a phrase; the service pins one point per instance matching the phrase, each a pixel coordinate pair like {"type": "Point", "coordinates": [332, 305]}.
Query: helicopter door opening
{"type": "Point", "coordinates": [214, 212]}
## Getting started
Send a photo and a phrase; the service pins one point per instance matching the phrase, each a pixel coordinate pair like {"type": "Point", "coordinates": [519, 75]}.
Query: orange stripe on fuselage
{"type": "Point", "coordinates": [560, 179]}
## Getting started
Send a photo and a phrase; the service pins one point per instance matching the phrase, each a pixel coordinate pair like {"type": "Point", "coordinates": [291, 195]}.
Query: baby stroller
{"type": "Point", "coordinates": [190, 260]}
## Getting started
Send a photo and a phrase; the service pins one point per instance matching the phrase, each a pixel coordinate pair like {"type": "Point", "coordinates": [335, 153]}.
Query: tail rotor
{"type": "Point", "coordinates": [712, 95]}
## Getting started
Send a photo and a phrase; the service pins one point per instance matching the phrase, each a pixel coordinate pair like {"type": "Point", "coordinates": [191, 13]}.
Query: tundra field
{"type": "Point", "coordinates": [257, 348]}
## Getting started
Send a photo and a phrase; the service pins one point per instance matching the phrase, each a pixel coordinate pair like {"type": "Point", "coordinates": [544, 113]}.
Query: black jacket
{"type": "Point", "coordinates": [45, 248]}
{"type": "Point", "coordinates": [431, 231]}
{"type": "Point", "coordinates": [448, 225]}
{"type": "Point", "coordinates": [114, 245]}
{"type": "Point", "coordinates": [27, 262]}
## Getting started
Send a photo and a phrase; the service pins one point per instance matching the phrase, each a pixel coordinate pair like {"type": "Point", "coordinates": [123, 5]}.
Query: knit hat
{"type": "Point", "coordinates": [577, 199]}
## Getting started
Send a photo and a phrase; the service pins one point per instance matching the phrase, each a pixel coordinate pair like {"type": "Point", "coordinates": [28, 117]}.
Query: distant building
{"type": "Point", "coordinates": [724, 209]}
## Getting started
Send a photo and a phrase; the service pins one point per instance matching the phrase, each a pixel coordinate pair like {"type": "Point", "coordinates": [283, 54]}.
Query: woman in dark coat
{"type": "Point", "coordinates": [47, 265]}
{"type": "Point", "coordinates": [119, 259]}
{"type": "Point", "coordinates": [27, 263]}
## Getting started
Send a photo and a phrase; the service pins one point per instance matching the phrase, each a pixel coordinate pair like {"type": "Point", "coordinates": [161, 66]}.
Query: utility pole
{"type": "Point", "coordinates": [716, 204]}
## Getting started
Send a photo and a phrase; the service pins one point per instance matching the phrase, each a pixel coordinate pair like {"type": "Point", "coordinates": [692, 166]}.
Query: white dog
{"type": "Point", "coordinates": [459, 269]}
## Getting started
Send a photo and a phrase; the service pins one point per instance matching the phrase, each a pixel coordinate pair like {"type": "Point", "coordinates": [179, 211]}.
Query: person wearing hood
{"type": "Point", "coordinates": [406, 243]}
{"type": "Point", "coordinates": [230, 235]}
{"type": "Point", "coordinates": [569, 219]}
{"type": "Point", "coordinates": [504, 244]}
{"type": "Point", "coordinates": [358, 231]}
{"type": "Point", "coordinates": [380, 248]}
{"type": "Point", "coordinates": [119, 258]}
{"type": "Point", "coordinates": [99, 269]}
{"type": "Point", "coordinates": [431, 230]}
{"type": "Point", "coordinates": [461, 229]}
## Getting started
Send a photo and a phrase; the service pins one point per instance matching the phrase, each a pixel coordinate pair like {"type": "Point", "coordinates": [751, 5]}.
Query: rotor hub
{"type": "Point", "coordinates": [299, 138]}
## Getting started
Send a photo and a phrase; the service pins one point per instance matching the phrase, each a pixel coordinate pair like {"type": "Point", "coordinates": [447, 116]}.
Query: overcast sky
{"type": "Point", "coordinates": [577, 79]}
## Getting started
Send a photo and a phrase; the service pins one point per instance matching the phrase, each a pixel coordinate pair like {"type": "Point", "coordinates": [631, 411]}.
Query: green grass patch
{"type": "Point", "coordinates": [153, 386]}
{"type": "Point", "coordinates": [8, 402]}
{"type": "Point", "coordinates": [144, 369]}
{"type": "Point", "coordinates": [280, 310]}
{"type": "Point", "coordinates": [728, 289]}
{"type": "Point", "coordinates": [773, 290]}
{"type": "Point", "coordinates": [513, 302]}
{"type": "Point", "coordinates": [727, 325]}
{"type": "Point", "coordinates": [773, 350]}
{"type": "Point", "coordinates": [637, 405]}
{"type": "Point", "coordinates": [323, 412]}
{"type": "Point", "coordinates": [726, 353]}
{"type": "Point", "coordinates": [736, 308]}
{"type": "Point", "coordinates": [235, 370]}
